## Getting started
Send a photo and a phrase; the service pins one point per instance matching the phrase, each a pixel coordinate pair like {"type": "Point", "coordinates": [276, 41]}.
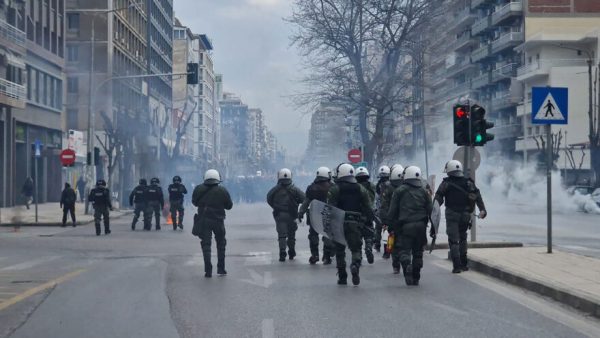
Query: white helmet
{"type": "Point", "coordinates": [324, 172]}
{"type": "Point", "coordinates": [397, 173]}
{"type": "Point", "coordinates": [384, 171]}
{"type": "Point", "coordinates": [212, 176]}
{"type": "Point", "coordinates": [284, 173]}
{"type": "Point", "coordinates": [454, 168]}
{"type": "Point", "coordinates": [345, 172]}
{"type": "Point", "coordinates": [412, 173]}
{"type": "Point", "coordinates": [362, 171]}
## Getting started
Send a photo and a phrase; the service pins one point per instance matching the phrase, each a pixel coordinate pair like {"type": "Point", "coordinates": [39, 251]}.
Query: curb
{"type": "Point", "coordinates": [58, 224]}
{"type": "Point", "coordinates": [483, 245]}
{"type": "Point", "coordinates": [567, 297]}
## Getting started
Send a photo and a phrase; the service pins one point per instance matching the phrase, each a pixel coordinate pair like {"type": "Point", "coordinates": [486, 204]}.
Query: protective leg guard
{"type": "Point", "coordinates": [342, 276]}
{"type": "Point", "coordinates": [354, 269]}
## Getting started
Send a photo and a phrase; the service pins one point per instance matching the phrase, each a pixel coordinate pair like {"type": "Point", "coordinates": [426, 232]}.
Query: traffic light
{"type": "Point", "coordinates": [479, 127]}
{"type": "Point", "coordinates": [192, 73]}
{"type": "Point", "coordinates": [96, 156]}
{"type": "Point", "coordinates": [461, 125]}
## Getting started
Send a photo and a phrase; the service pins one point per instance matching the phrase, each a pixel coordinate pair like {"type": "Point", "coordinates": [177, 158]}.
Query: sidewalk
{"type": "Point", "coordinates": [49, 214]}
{"type": "Point", "coordinates": [565, 277]}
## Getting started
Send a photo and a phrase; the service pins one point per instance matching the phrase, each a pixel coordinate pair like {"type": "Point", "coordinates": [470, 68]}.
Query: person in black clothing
{"type": "Point", "coordinates": [176, 192]}
{"type": "Point", "coordinates": [100, 199]}
{"type": "Point", "coordinates": [67, 203]}
{"type": "Point", "coordinates": [156, 202]}
{"type": "Point", "coordinates": [80, 186]}
{"type": "Point", "coordinates": [27, 191]}
{"type": "Point", "coordinates": [317, 191]}
{"type": "Point", "coordinates": [137, 198]}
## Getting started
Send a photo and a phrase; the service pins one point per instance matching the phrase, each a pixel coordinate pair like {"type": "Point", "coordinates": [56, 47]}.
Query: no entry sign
{"type": "Point", "coordinates": [355, 156]}
{"type": "Point", "coordinates": [67, 157]}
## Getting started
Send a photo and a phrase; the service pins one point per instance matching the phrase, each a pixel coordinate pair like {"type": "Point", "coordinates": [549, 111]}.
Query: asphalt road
{"type": "Point", "coordinates": [151, 284]}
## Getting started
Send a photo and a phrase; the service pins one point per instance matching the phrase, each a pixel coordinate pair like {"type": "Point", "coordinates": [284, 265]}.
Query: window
{"type": "Point", "coordinates": [179, 34]}
{"type": "Point", "coordinates": [73, 21]}
{"type": "Point", "coordinates": [72, 118]}
{"type": "Point", "coordinates": [72, 85]}
{"type": "Point", "coordinates": [72, 53]}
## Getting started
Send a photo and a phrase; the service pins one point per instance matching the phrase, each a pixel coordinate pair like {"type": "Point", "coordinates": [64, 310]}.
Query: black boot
{"type": "Point", "coordinates": [326, 260]}
{"type": "Point", "coordinates": [221, 265]}
{"type": "Point", "coordinates": [221, 271]}
{"type": "Point", "coordinates": [456, 266]}
{"type": "Point", "coordinates": [313, 260]}
{"type": "Point", "coordinates": [292, 253]}
{"type": "Point", "coordinates": [354, 269]}
{"type": "Point", "coordinates": [282, 255]}
{"type": "Point", "coordinates": [342, 276]}
{"type": "Point", "coordinates": [370, 258]}
{"type": "Point", "coordinates": [416, 276]}
{"type": "Point", "coordinates": [408, 275]}
{"type": "Point", "coordinates": [377, 247]}
{"type": "Point", "coordinates": [98, 231]}
{"type": "Point", "coordinates": [133, 226]}
{"type": "Point", "coordinates": [208, 271]}
{"type": "Point", "coordinates": [386, 255]}
{"type": "Point", "coordinates": [464, 263]}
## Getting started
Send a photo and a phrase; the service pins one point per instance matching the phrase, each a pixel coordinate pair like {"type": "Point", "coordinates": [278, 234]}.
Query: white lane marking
{"type": "Point", "coordinates": [448, 308]}
{"type": "Point", "coordinates": [258, 258]}
{"type": "Point", "coordinates": [265, 280]}
{"type": "Point", "coordinates": [195, 261]}
{"type": "Point", "coordinates": [29, 264]}
{"type": "Point", "coordinates": [268, 328]}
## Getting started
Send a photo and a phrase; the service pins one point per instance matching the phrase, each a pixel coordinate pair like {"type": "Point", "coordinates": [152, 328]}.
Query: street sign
{"type": "Point", "coordinates": [359, 164]}
{"type": "Point", "coordinates": [549, 105]}
{"type": "Point", "coordinates": [459, 155]}
{"type": "Point", "coordinates": [38, 148]}
{"type": "Point", "coordinates": [355, 155]}
{"type": "Point", "coordinates": [67, 157]}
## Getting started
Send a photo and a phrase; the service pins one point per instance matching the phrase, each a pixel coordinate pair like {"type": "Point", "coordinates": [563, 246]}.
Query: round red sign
{"type": "Point", "coordinates": [67, 157]}
{"type": "Point", "coordinates": [355, 156]}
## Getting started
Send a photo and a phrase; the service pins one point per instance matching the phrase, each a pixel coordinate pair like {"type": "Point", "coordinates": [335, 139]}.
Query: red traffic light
{"type": "Point", "coordinates": [460, 112]}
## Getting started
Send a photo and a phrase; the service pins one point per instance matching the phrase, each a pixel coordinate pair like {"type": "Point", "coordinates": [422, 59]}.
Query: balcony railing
{"type": "Point", "coordinates": [477, 3]}
{"type": "Point", "coordinates": [504, 102]}
{"type": "Point", "coordinates": [14, 94]}
{"type": "Point", "coordinates": [507, 40]}
{"type": "Point", "coordinates": [481, 53]}
{"type": "Point", "coordinates": [481, 25]}
{"type": "Point", "coordinates": [463, 41]}
{"type": "Point", "coordinates": [544, 66]}
{"type": "Point", "coordinates": [481, 81]}
{"type": "Point", "coordinates": [506, 131]}
{"type": "Point", "coordinates": [463, 17]}
{"type": "Point", "coordinates": [515, 7]}
{"type": "Point", "coordinates": [12, 33]}
{"type": "Point", "coordinates": [507, 71]}
{"type": "Point", "coordinates": [459, 67]}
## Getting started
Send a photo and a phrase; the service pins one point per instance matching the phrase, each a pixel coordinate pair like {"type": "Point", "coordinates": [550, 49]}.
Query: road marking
{"type": "Point", "coordinates": [268, 328]}
{"type": "Point", "coordinates": [37, 289]}
{"type": "Point", "coordinates": [258, 258]}
{"type": "Point", "coordinates": [195, 261]}
{"type": "Point", "coordinates": [29, 264]}
{"type": "Point", "coordinates": [265, 280]}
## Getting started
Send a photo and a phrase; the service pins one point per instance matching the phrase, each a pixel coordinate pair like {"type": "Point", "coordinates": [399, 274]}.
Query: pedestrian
{"type": "Point", "coordinates": [137, 199]}
{"type": "Point", "coordinates": [409, 213]}
{"type": "Point", "coordinates": [156, 202]}
{"type": "Point", "coordinates": [351, 197]}
{"type": "Point", "coordinates": [27, 191]}
{"type": "Point", "coordinates": [212, 200]}
{"type": "Point", "coordinates": [396, 180]}
{"type": "Point", "coordinates": [317, 191]}
{"type": "Point", "coordinates": [67, 203]}
{"type": "Point", "coordinates": [176, 198]}
{"type": "Point", "coordinates": [461, 196]}
{"type": "Point", "coordinates": [380, 187]}
{"type": "Point", "coordinates": [367, 231]}
{"type": "Point", "coordinates": [285, 198]}
{"type": "Point", "coordinates": [100, 199]}
{"type": "Point", "coordinates": [80, 186]}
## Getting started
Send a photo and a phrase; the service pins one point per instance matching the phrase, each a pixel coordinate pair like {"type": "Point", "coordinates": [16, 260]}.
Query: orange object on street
{"type": "Point", "coordinates": [390, 243]}
{"type": "Point", "coordinates": [169, 219]}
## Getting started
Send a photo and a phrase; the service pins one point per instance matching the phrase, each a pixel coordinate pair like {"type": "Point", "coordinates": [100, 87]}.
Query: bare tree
{"type": "Point", "coordinates": [181, 129]}
{"type": "Point", "coordinates": [359, 54]}
{"type": "Point", "coordinates": [540, 142]}
{"type": "Point", "coordinates": [112, 145]}
{"type": "Point", "coordinates": [572, 162]}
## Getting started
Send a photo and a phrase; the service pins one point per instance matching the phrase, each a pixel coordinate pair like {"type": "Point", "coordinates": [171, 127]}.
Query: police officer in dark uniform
{"type": "Point", "coordinates": [380, 187]}
{"type": "Point", "coordinates": [409, 213]}
{"type": "Point", "coordinates": [351, 197]}
{"type": "Point", "coordinates": [212, 200]}
{"type": "Point", "coordinates": [362, 177]}
{"type": "Point", "coordinates": [137, 199]}
{"type": "Point", "coordinates": [156, 202]}
{"type": "Point", "coordinates": [461, 195]}
{"type": "Point", "coordinates": [176, 192]}
{"type": "Point", "coordinates": [317, 191]}
{"type": "Point", "coordinates": [396, 180]}
{"type": "Point", "coordinates": [100, 199]}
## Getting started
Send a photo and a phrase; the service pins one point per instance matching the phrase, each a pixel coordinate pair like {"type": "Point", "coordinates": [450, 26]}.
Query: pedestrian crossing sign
{"type": "Point", "coordinates": [550, 105]}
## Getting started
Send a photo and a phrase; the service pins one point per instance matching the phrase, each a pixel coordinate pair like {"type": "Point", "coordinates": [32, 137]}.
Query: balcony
{"type": "Point", "coordinates": [514, 8]}
{"type": "Point", "coordinates": [12, 37]}
{"type": "Point", "coordinates": [463, 42]}
{"type": "Point", "coordinates": [459, 90]}
{"type": "Point", "coordinates": [477, 3]}
{"type": "Point", "coordinates": [508, 40]}
{"type": "Point", "coordinates": [507, 131]}
{"type": "Point", "coordinates": [481, 53]}
{"type": "Point", "coordinates": [505, 72]}
{"type": "Point", "coordinates": [459, 67]}
{"type": "Point", "coordinates": [464, 18]}
{"type": "Point", "coordinates": [541, 68]}
{"type": "Point", "coordinates": [503, 102]}
{"type": "Point", "coordinates": [481, 81]}
{"type": "Point", "coordinates": [12, 94]}
{"type": "Point", "coordinates": [481, 25]}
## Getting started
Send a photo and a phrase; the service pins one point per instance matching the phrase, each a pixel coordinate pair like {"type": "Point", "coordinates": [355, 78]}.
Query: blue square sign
{"type": "Point", "coordinates": [549, 105]}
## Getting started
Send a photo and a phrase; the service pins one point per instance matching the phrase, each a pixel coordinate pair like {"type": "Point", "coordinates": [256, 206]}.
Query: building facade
{"type": "Point", "coordinates": [329, 135]}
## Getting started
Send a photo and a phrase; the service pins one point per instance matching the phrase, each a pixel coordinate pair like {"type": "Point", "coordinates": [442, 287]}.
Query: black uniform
{"type": "Point", "coordinates": [176, 192]}
{"type": "Point", "coordinates": [137, 198]}
{"type": "Point", "coordinates": [461, 195]}
{"type": "Point", "coordinates": [380, 187]}
{"type": "Point", "coordinates": [156, 202]}
{"type": "Point", "coordinates": [367, 230]}
{"type": "Point", "coordinates": [100, 198]}
{"type": "Point", "coordinates": [317, 191]}
{"type": "Point", "coordinates": [285, 198]}
{"type": "Point", "coordinates": [212, 200]}
{"type": "Point", "coordinates": [67, 202]}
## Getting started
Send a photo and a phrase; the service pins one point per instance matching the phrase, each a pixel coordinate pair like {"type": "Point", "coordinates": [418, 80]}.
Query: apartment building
{"type": "Point", "coordinates": [328, 136]}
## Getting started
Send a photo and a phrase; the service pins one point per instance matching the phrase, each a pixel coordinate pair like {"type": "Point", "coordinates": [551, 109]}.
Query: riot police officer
{"type": "Point", "coordinates": [351, 197]}
{"type": "Point", "coordinates": [317, 191]}
{"type": "Point", "coordinates": [362, 177]}
{"type": "Point", "coordinates": [461, 196]}
{"type": "Point", "coordinates": [176, 192]}
{"type": "Point", "coordinates": [212, 200]}
{"type": "Point", "coordinates": [409, 212]}
{"type": "Point", "coordinates": [137, 198]}
{"type": "Point", "coordinates": [396, 179]}
{"type": "Point", "coordinates": [156, 202]}
{"type": "Point", "coordinates": [285, 198]}
{"type": "Point", "coordinates": [100, 198]}
{"type": "Point", "coordinates": [384, 181]}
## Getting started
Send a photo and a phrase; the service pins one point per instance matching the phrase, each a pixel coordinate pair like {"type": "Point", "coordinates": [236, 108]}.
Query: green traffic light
{"type": "Point", "coordinates": [478, 138]}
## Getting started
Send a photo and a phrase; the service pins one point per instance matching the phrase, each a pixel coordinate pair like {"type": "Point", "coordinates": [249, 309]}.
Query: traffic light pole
{"type": "Point", "coordinates": [470, 172]}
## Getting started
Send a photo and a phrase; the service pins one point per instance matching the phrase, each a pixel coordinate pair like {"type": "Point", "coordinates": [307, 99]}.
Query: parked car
{"type": "Point", "coordinates": [580, 189]}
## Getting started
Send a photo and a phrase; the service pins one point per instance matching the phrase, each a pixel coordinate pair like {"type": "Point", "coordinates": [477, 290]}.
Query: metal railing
{"type": "Point", "coordinates": [481, 25]}
{"type": "Point", "coordinates": [481, 53]}
{"type": "Point", "coordinates": [12, 33]}
{"type": "Point", "coordinates": [462, 18]}
{"type": "Point", "coordinates": [544, 66]}
{"type": "Point", "coordinates": [507, 71]}
{"type": "Point", "coordinates": [515, 6]}
{"type": "Point", "coordinates": [12, 90]}
{"type": "Point", "coordinates": [481, 81]}
{"type": "Point", "coordinates": [506, 40]}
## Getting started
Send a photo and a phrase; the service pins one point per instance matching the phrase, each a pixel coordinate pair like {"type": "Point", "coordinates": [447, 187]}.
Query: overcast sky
{"type": "Point", "coordinates": [252, 51]}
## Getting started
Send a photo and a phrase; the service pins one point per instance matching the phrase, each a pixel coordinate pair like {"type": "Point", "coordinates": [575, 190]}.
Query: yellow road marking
{"type": "Point", "coordinates": [33, 291]}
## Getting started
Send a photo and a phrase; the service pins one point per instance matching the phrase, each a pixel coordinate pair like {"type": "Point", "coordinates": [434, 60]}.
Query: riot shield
{"type": "Point", "coordinates": [328, 221]}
